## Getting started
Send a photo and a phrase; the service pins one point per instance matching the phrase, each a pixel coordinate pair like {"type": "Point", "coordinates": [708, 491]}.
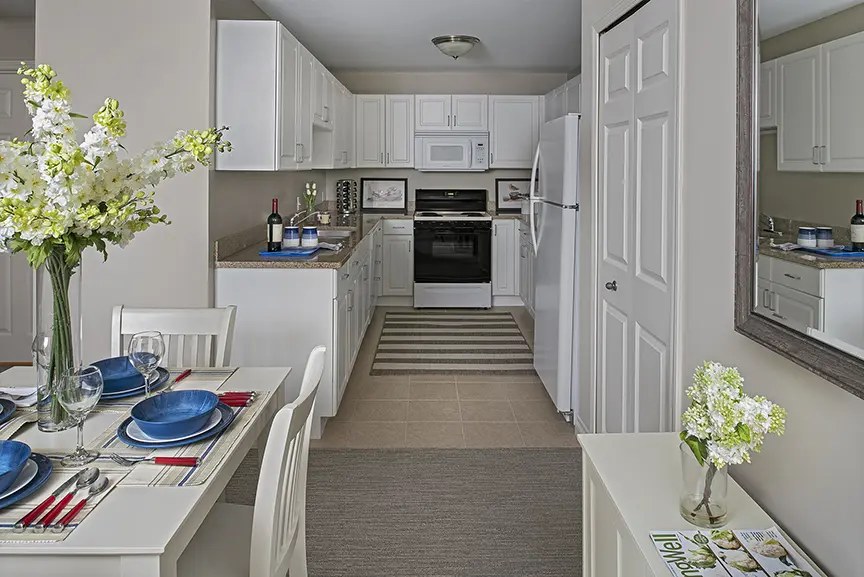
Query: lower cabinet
{"type": "Point", "coordinates": [505, 270]}
{"type": "Point", "coordinates": [526, 269]}
{"type": "Point", "coordinates": [398, 261]}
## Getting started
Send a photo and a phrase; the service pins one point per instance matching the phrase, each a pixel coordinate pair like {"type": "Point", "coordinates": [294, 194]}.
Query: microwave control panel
{"type": "Point", "coordinates": [480, 153]}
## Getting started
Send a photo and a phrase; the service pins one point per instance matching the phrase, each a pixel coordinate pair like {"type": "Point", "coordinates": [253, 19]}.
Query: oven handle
{"type": "Point", "coordinates": [532, 199]}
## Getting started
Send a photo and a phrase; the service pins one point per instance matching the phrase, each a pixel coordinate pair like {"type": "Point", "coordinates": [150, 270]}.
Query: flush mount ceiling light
{"type": "Point", "coordinates": [455, 46]}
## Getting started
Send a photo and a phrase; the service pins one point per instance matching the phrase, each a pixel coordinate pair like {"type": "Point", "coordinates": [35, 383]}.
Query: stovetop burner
{"type": "Point", "coordinates": [428, 214]}
{"type": "Point", "coordinates": [473, 214]}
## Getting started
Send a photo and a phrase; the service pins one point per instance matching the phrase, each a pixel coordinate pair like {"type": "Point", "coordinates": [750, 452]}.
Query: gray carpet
{"type": "Point", "coordinates": [439, 512]}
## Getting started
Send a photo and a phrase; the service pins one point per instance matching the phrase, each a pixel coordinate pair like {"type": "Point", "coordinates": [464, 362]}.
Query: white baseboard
{"type": "Point", "coordinates": [581, 429]}
{"type": "Point", "coordinates": [507, 301]}
{"type": "Point", "coordinates": [396, 301]}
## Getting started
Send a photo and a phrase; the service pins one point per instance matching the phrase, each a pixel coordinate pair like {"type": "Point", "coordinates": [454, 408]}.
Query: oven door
{"type": "Point", "coordinates": [443, 153]}
{"type": "Point", "coordinates": [452, 252]}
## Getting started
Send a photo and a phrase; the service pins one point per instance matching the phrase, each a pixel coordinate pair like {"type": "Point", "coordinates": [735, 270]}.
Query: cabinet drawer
{"type": "Point", "coordinates": [398, 227]}
{"type": "Point", "coordinates": [797, 310]}
{"type": "Point", "coordinates": [796, 276]}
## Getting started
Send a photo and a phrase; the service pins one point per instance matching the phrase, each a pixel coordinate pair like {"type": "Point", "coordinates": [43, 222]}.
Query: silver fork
{"type": "Point", "coordinates": [177, 461]}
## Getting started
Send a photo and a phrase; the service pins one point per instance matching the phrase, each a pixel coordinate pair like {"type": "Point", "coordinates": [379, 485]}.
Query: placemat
{"type": "Point", "coordinates": [209, 379]}
{"type": "Point", "coordinates": [21, 417]}
{"type": "Point", "coordinates": [211, 451]}
{"type": "Point", "coordinates": [10, 515]}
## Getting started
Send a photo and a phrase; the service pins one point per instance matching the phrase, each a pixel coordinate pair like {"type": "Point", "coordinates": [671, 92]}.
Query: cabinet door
{"type": "Point", "coordinates": [342, 331]}
{"type": "Point", "coordinates": [348, 105]}
{"type": "Point", "coordinates": [319, 91]}
{"type": "Point", "coordinates": [523, 273]}
{"type": "Point", "coordinates": [433, 112]}
{"type": "Point", "coordinates": [470, 112]}
{"type": "Point", "coordinates": [799, 120]}
{"type": "Point", "coordinates": [400, 131]}
{"type": "Point", "coordinates": [304, 109]}
{"type": "Point", "coordinates": [289, 58]}
{"type": "Point", "coordinates": [398, 266]}
{"type": "Point", "coordinates": [843, 122]}
{"type": "Point", "coordinates": [370, 131]}
{"type": "Point", "coordinates": [764, 297]}
{"type": "Point", "coordinates": [505, 281]}
{"type": "Point", "coordinates": [514, 130]}
{"type": "Point", "coordinates": [339, 124]}
{"type": "Point", "coordinates": [530, 283]}
{"type": "Point", "coordinates": [356, 311]}
{"type": "Point", "coordinates": [768, 95]}
{"type": "Point", "coordinates": [378, 265]}
{"type": "Point", "coordinates": [795, 309]}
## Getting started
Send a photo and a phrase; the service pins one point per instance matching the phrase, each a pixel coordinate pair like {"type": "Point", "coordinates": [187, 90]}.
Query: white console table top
{"type": "Point", "coordinates": [642, 473]}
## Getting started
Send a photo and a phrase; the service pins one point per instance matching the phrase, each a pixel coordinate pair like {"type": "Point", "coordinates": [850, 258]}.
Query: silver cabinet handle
{"type": "Point", "coordinates": [781, 317]}
{"type": "Point", "coordinates": [377, 262]}
{"type": "Point", "coordinates": [448, 120]}
{"type": "Point", "coordinates": [491, 158]}
{"type": "Point", "coordinates": [356, 262]}
{"type": "Point", "coordinates": [327, 114]}
{"type": "Point", "coordinates": [351, 300]}
{"type": "Point", "coordinates": [388, 158]}
{"type": "Point", "coordinates": [382, 158]}
{"type": "Point", "coordinates": [766, 299]}
{"type": "Point", "coordinates": [377, 278]}
{"type": "Point", "coordinates": [409, 246]}
{"type": "Point", "coordinates": [815, 155]}
{"type": "Point", "coordinates": [792, 276]}
{"type": "Point", "coordinates": [344, 275]}
{"type": "Point", "coordinates": [299, 153]}
{"type": "Point", "coordinates": [454, 120]}
{"type": "Point", "coordinates": [823, 154]}
{"type": "Point", "coordinates": [612, 286]}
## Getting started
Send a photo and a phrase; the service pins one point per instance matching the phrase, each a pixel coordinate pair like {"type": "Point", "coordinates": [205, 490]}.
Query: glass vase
{"type": "Point", "coordinates": [57, 346]}
{"type": "Point", "coordinates": [704, 490]}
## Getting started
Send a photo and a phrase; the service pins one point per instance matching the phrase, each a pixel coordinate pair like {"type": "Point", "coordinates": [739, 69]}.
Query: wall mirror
{"type": "Point", "coordinates": [800, 227]}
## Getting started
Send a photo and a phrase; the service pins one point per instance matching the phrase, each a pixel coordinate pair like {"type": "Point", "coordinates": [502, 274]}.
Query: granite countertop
{"type": "Point", "coordinates": [808, 259]}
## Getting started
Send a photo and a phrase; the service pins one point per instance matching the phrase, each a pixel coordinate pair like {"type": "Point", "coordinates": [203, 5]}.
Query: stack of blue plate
{"type": "Point", "coordinates": [123, 380]}
{"type": "Point", "coordinates": [21, 472]}
{"type": "Point", "coordinates": [7, 409]}
{"type": "Point", "coordinates": [174, 419]}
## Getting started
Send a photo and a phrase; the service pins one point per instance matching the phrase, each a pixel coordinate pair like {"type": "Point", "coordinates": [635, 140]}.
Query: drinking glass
{"type": "Point", "coordinates": [78, 393]}
{"type": "Point", "coordinates": [145, 351]}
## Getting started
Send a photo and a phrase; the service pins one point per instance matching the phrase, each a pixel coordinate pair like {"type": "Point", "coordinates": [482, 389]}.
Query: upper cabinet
{"type": "Point", "coordinates": [514, 130]}
{"type": "Point", "coordinates": [768, 95]}
{"type": "Point", "coordinates": [565, 99]}
{"type": "Point", "coordinates": [369, 122]}
{"type": "Point", "coordinates": [343, 126]}
{"type": "Point", "coordinates": [819, 122]}
{"type": "Point", "coordinates": [385, 131]}
{"type": "Point", "coordinates": [270, 91]}
{"type": "Point", "coordinates": [445, 112]}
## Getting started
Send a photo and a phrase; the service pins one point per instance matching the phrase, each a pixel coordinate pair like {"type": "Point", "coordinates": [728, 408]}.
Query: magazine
{"type": "Point", "coordinates": [726, 553]}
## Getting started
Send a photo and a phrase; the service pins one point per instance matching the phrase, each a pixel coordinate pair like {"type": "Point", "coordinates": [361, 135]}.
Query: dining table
{"type": "Point", "coordinates": [139, 529]}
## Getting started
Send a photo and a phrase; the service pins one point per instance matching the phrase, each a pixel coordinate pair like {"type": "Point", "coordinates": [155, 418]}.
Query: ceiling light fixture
{"type": "Point", "coordinates": [455, 46]}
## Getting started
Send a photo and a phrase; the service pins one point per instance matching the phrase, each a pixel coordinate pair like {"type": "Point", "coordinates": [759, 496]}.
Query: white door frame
{"type": "Point", "coordinates": [677, 388]}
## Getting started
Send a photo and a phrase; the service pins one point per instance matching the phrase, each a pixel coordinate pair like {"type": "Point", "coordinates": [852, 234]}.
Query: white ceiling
{"type": "Point", "coordinates": [395, 35]}
{"type": "Point", "coordinates": [778, 16]}
{"type": "Point", "coordinates": [17, 8]}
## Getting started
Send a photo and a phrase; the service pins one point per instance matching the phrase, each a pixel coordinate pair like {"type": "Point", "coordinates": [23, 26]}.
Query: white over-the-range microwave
{"type": "Point", "coordinates": [466, 152]}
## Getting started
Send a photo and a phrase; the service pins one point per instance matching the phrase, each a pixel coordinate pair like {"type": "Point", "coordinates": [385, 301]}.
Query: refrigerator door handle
{"type": "Point", "coordinates": [532, 199]}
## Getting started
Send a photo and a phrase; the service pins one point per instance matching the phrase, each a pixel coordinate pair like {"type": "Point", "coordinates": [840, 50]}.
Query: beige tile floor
{"type": "Point", "coordinates": [444, 411]}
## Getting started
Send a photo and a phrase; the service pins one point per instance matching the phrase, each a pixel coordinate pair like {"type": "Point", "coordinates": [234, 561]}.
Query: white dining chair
{"type": "Point", "coordinates": [193, 337]}
{"type": "Point", "coordinates": [269, 539]}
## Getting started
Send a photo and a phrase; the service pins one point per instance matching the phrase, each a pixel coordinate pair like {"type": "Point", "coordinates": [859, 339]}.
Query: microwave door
{"type": "Point", "coordinates": [441, 154]}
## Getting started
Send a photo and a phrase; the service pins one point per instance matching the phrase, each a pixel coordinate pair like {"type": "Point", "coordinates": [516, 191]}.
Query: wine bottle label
{"type": "Point", "coordinates": [274, 233]}
{"type": "Point", "coordinates": [858, 233]}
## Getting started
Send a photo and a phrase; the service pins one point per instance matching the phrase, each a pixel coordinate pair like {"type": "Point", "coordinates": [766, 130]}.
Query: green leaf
{"type": "Point", "coordinates": [744, 432]}
{"type": "Point", "coordinates": [76, 115]}
{"type": "Point", "coordinates": [699, 448]}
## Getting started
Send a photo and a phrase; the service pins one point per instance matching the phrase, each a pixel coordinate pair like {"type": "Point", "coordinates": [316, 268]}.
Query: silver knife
{"type": "Point", "coordinates": [34, 514]}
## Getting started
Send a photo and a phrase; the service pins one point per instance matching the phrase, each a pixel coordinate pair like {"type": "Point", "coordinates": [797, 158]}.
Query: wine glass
{"type": "Point", "coordinates": [78, 392]}
{"type": "Point", "coordinates": [145, 351]}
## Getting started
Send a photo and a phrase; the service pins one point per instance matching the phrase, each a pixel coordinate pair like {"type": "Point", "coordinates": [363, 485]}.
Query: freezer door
{"type": "Point", "coordinates": [555, 302]}
{"type": "Point", "coordinates": [559, 162]}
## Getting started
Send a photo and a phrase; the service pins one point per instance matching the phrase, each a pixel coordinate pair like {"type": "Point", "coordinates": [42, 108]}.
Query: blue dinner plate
{"type": "Point", "coordinates": [7, 409]}
{"type": "Point", "coordinates": [227, 418]}
{"type": "Point", "coordinates": [45, 467]}
{"type": "Point", "coordinates": [163, 378]}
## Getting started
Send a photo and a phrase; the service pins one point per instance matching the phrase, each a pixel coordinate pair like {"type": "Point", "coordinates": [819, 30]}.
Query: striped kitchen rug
{"type": "Point", "coordinates": [450, 342]}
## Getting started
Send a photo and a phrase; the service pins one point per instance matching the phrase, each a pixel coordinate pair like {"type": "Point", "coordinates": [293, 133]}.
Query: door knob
{"type": "Point", "coordinates": [612, 286]}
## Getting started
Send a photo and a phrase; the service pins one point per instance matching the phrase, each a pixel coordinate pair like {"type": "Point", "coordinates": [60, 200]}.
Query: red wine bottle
{"type": "Point", "coordinates": [274, 229]}
{"type": "Point", "coordinates": [858, 226]}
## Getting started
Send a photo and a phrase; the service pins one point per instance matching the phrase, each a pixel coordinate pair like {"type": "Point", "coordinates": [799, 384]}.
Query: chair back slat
{"type": "Point", "coordinates": [280, 503]}
{"type": "Point", "coordinates": [181, 330]}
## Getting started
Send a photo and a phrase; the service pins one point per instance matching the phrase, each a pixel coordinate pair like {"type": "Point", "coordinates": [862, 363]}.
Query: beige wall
{"type": "Point", "coordinates": [417, 179]}
{"type": "Point", "coordinates": [156, 65]}
{"type": "Point", "coordinates": [823, 198]}
{"type": "Point", "coordinates": [17, 39]}
{"type": "Point", "coordinates": [809, 480]}
{"type": "Point", "coordinates": [450, 82]}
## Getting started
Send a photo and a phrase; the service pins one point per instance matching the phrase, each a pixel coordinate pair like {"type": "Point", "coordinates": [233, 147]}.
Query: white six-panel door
{"type": "Point", "coordinates": [16, 279]}
{"type": "Point", "coordinates": [637, 233]}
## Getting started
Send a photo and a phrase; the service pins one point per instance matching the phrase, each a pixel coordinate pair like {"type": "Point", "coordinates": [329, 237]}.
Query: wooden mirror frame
{"type": "Point", "coordinates": [840, 368]}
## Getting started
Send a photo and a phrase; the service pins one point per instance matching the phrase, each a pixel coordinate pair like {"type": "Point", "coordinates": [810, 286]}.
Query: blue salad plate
{"type": "Point", "coordinates": [226, 419]}
{"type": "Point", "coordinates": [162, 378]}
{"type": "Point", "coordinates": [7, 409]}
{"type": "Point", "coordinates": [43, 473]}
{"type": "Point", "coordinates": [118, 375]}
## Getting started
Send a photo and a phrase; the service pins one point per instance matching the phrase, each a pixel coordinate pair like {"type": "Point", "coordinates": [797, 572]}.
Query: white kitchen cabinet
{"type": "Point", "coordinates": [768, 95]}
{"type": "Point", "coordinates": [341, 330]}
{"type": "Point", "coordinates": [432, 112]}
{"type": "Point", "coordinates": [505, 268]}
{"type": "Point", "coordinates": [370, 134]}
{"type": "Point", "coordinates": [526, 268]}
{"type": "Point", "coordinates": [796, 309]}
{"type": "Point", "coordinates": [555, 103]}
{"type": "Point", "coordinates": [377, 265]}
{"type": "Point", "coordinates": [470, 112]}
{"type": "Point", "coordinates": [288, 90]}
{"type": "Point", "coordinates": [343, 127]}
{"type": "Point", "coordinates": [304, 110]}
{"type": "Point", "coordinates": [574, 95]}
{"type": "Point", "coordinates": [399, 126]}
{"type": "Point", "coordinates": [842, 94]}
{"type": "Point", "coordinates": [799, 122]}
{"type": "Point", "coordinates": [398, 266]}
{"type": "Point", "coordinates": [514, 130]}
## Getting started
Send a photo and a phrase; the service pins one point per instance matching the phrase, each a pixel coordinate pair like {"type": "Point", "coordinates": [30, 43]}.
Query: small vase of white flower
{"type": "Point", "coordinates": [721, 427]}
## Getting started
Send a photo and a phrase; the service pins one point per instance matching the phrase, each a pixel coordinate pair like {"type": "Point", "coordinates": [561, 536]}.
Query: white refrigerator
{"type": "Point", "coordinates": [553, 213]}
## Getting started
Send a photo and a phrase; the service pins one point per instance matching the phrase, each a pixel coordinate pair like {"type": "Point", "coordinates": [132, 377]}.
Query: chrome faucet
{"type": "Point", "coordinates": [293, 221]}
{"type": "Point", "coordinates": [766, 224]}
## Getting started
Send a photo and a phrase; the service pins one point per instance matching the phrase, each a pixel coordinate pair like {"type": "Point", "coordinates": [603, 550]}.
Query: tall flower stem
{"type": "Point", "coordinates": [61, 356]}
{"type": "Point", "coordinates": [706, 494]}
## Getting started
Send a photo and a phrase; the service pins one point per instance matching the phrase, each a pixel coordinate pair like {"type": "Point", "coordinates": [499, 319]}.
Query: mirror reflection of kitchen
{"type": "Point", "coordinates": [810, 260]}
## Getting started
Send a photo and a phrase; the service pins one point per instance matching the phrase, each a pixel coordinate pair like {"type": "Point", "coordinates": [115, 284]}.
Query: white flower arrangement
{"type": "Point", "coordinates": [309, 194]}
{"type": "Point", "coordinates": [57, 194]}
{"type": "Point", "coordinates": [722, 424]}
